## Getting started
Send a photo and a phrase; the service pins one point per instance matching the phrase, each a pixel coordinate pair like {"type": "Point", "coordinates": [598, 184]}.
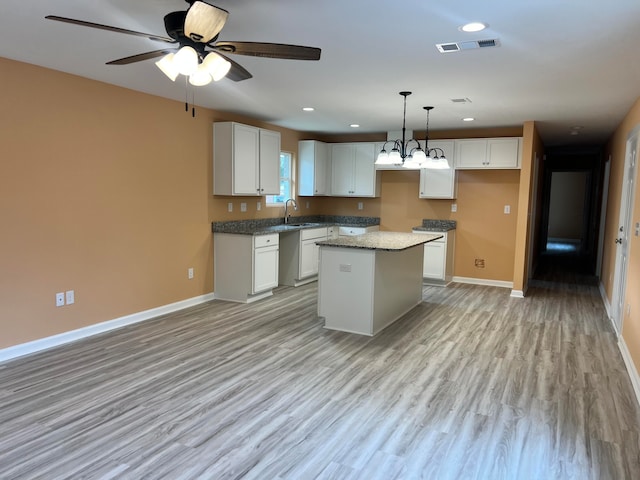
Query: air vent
{"type": "Point", "coordinates": [447, 47]}
{"type": "Point", "coordinates": [472, 45]}
{"type": "Point", "coordinates": [460, 100]}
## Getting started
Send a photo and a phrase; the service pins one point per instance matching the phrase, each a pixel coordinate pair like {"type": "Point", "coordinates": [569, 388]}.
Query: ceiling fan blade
{"type": "Point", "coordinates": [109, 28]}
{"type": "Point", "coordinates": [204, 21]}
{"type": "Point", "coordinates": [237, 72]}
{"type": "Point", "coordinates": [269, 50]}
{"type": "Point", "coordinates": [142, 56]}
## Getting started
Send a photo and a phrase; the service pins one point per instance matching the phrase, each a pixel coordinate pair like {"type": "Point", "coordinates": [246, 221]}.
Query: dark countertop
{"type": "Point", "coordinates": [276, 225]}
{"type": "Point", "coordinates": [429, 225]}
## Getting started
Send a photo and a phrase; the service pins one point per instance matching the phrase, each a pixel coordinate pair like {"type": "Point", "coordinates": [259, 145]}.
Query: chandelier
{"type": "Point", "coordinates": [403, 154]}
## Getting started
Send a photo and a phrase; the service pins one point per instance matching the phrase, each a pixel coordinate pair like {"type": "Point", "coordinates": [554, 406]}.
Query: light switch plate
{"type": "Point", "coordinates": [454, 207]}
{"type": "Point", "coordinates": [507, 209]}
{"type": "Point", "coordinates": [70, 296]}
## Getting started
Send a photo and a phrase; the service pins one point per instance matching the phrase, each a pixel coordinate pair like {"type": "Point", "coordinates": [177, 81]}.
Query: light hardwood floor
{"type": "Point", "coordinates": [471, 384]}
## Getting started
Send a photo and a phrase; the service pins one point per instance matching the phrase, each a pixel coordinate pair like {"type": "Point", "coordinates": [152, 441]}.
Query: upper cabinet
{"type": "Point", "coordinates": [439, 183]}
{"type": "Point", "coordinates": [314, 168]}
{"type": "Point", "coordinates": [353, 172]}
{"type": "Point", "coordinates": [480, 153]}
{"type": "Point", "coordinates": [246, 160]}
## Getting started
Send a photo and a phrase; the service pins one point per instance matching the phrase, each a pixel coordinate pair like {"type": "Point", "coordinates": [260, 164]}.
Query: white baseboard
{"type": "Point", "coordinates": [607, 307]}
{"type": "Point", "coordinates": [483, 281]}
{"type": "Point", "coordinates": [631, 368]}
{"type": "Point", "coordinates": [73, 335]}
{"type": "Point", "coordinates": [517, 294]}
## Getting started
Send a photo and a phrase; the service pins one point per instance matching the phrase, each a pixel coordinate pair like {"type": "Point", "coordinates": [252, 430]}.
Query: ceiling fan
{"type": "Point", "coordinates": [197, 54]}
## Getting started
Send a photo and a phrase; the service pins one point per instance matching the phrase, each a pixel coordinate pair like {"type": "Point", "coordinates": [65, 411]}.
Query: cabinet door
{"type": "Point", "coordinates": [503, 152]}
{"type": "Point", "coordinates": [265, 268]}
{"type": "Point", "coordinates": [269, 162]}
{"type": "Point", "coordinates": [309, 253]}
{"type": "Point", "coordinates": [342, 169]}
{"type": "Point", "coordinates": [471, 153]}
{"type": "Point", "coordinates": [322, 172]}
{"type": "Point", "coordinates": [364, 173]}
{"type": "Point", "coordinates": [439, 183]}
{"type": "Point", "coordinates": [434, 260]}
{"type": "Point", "coordinates": [246, 151]}
{"type": "Point", "coordinates": [313, 168]}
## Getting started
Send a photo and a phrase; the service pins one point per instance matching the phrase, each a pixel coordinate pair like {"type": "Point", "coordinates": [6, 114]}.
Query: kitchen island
{"type": "Point", "coordinates": [367, 282]}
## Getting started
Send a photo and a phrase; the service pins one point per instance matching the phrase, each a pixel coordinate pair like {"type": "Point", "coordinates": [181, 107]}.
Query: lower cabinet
{"type": "Point", "coordinates": [299, 255]}
{"type": "Point", "coordinates": [437, 265]}
{"type": "Point", "coordinates": [245, 266]}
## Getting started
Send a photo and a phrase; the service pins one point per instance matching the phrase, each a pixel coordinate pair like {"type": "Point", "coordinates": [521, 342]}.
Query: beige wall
{"type": "Point", "coordinates": [616, 149]}
{"type": "Point", "coordinates": [104, 191]}
{"type": "Point", "coordinates": [107, 192]}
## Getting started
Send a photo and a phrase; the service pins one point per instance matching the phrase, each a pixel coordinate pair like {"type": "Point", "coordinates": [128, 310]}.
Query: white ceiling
{"type": "Point", "coordinates": [561, 63]}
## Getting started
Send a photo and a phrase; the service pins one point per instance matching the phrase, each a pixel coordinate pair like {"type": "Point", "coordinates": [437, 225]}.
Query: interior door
{"type": "Point", "coordinates": [624, 227]}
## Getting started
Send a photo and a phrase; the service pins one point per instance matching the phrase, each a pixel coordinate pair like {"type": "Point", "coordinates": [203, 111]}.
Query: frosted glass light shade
{"type": "Point", "coordinates": [394, 157]}
{"type": "Point", "coordinates": [217, 66]}
{"type": "Point", "coordinates": [419, 156]}
{"type": "Point", "coordinates": [186, 60]}
{"type": "Point", "coordinates": [168, 66]}
{"type": "Point", "coordinates": [200, 77]}
{"type": "Point", "coordinates": [383, 158]}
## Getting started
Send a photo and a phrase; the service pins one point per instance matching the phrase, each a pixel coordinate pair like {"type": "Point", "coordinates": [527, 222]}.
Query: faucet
{"type": "Point", "coordinates": [286, 204]}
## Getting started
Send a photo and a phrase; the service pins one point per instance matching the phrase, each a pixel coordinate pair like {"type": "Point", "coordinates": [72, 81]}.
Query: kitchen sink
{"type": "Point", "coordinates": [308, 224]}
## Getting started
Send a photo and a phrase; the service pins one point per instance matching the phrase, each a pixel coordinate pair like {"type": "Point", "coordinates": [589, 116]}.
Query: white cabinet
{"type": "Point", "coordinates": [246, 160]}
{"type": "Point", "coordinates": [351, 231]}
{"type": "Point", "coordinates": [440, 183]}
{"type": "Point", "coordinates": [484, 153]}
{"type": "Point", "coordinates": [265, 262]}
{"type": "Point", "coordinates": [437, 265]}
{"type": "Point", "coordinates": [353, 172]}
{"type": "Point", "coordinates": [245, 266]}
{"type": "Point", "coordinates": [299, 255]}
{"type": "Point", "coordinates": [314, 168]}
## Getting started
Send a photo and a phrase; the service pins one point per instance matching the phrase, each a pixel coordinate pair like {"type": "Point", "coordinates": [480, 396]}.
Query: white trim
{"type": "Point", "coordinates": [517, 294]}
{"type": "Point", "coordinates": [607, 305]}
{"type": "Point", "coordinates": [631, 368]}
{"type": "Point", "coordinates": [483, 281]}
{"type": "Point", "coordinates": [73, 335]}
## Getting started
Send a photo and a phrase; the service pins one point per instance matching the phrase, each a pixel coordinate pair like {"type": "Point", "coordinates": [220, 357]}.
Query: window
{"type": "Point", "coordinates": [286, 181]}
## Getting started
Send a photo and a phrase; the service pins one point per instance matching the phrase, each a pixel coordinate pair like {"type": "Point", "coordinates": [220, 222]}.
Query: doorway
{"type": "Point", "coordinates": [571, 196]}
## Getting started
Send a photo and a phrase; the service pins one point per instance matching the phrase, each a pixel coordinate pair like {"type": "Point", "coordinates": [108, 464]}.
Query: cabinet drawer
{"type": "Point", "coordinates": [308, 233]}
{"type": "Point", "coordinates": [265, 240]}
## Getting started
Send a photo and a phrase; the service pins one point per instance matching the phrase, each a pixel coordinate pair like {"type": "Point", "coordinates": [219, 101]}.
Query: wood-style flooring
{"type": "Point", "coordinates": [471, 384]}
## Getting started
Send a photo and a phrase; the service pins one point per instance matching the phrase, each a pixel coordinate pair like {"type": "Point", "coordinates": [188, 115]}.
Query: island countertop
{"type": "Point", "coordinates": [388, 241]}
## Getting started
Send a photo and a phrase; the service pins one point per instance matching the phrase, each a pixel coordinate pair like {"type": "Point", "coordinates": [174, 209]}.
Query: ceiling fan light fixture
{"type": "Point", "coordinates": [186, 60]}
{"type": "Point", "coordinates": [168, 66]}
{"type": "Point", "coordinates": [217, 66]}
{"type": "Point", "coordinates": [200, 77]}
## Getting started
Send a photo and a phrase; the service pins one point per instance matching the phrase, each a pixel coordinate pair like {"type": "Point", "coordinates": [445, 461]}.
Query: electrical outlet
{"type": "Point", "coordinates": [454, 207]}
{"type": "Point", "coordinates": [190, 273]}
{"type": "Point", "coordinates": [243, 207]}
{"type": "Point", "coordinates": [230, 207]}
{"type": "Point", "coordinates": [70, 296]}
{"type": "Point", "coordinates": [507, 209]}
{"type": "Point", "coordinates": [308, 203]}
{"type": "Point", "coordinates": [360, 206]}
{"type": "Point", "coordinates": [258, 206]}
{"type": "Point", "coordinates": [59, 299]}
{"type": "Point", "coordinates": [479, 262]}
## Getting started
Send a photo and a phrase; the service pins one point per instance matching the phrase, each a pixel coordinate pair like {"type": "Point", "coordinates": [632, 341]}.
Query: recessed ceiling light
{"type": "Point", "coordinates": [354, 125]}
{"type": "Point", "coordinates": [468, 119]}
{"type": "Point", "coordinates": [473, 27]}
{"type": "Point", "coordinates": [308, 109]}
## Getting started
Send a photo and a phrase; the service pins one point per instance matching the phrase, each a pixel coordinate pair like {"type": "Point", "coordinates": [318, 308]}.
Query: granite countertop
{"type": "Point", "coordinates": [275, 225]}
{"type": "Point", "coordinates": [389, 241]}
{"type": "Point", "coordinates": [429, 225]}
